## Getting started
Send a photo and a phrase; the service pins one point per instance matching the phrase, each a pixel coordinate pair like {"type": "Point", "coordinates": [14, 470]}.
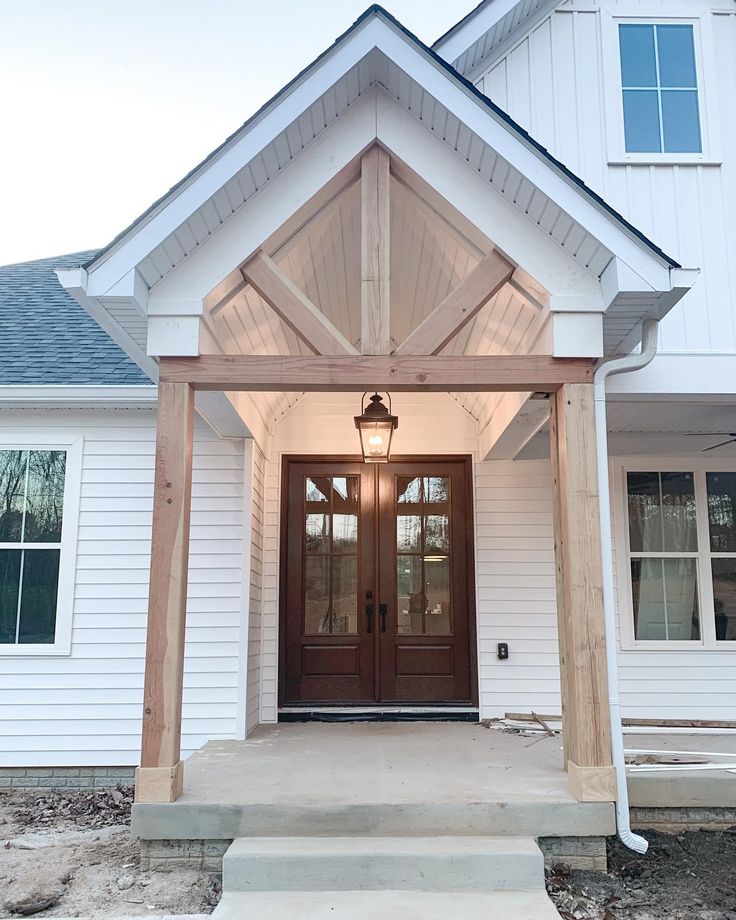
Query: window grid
{"type": "Point", "coordinates": [703, 556]}
{"type": "Point", "coordinates": [658, 89]}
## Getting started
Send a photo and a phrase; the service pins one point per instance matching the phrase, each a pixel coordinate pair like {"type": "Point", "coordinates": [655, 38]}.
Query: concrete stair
{"type": "Point", "coordinates": [350, 878]}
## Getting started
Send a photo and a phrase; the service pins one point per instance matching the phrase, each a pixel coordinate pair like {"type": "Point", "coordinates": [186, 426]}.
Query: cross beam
{"type": "Point", "coordinates": [398, 373]}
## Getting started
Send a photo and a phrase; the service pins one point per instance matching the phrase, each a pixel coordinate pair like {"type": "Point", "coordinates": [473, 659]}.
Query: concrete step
{"type": "Point", "coordinates": [377, 863]}
{"type": "Point", "coordinates": [388, 905]}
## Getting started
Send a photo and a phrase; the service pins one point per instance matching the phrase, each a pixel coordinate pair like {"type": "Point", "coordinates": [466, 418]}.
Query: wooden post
{"type": "Point", "coordinates": [375, 253]}
{"type": "Point", "coordinates": [586, 724]}
{"type": "Point", "coordinates": [159, 778]}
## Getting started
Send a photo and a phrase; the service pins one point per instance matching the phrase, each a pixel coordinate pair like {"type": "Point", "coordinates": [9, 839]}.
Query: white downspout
{"type": "Point", "coordinates": [616, 366]}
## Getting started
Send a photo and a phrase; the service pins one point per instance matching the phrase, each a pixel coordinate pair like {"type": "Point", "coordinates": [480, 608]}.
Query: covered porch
{"type": "Point", "coordinates": [379, 227]}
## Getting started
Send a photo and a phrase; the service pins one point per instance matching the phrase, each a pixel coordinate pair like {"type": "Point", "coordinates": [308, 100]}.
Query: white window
{"type": "Point", "coordinates": [680, 540]}
{"type": "Point", "coordinates": [39, 488]}
{"type": "Point", "coordinates": [659, 87]}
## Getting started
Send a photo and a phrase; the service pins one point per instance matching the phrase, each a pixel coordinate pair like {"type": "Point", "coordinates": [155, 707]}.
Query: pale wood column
{"type": "Point", "coordinates": [159, 778]}
{"type": "Point", "coordinates": [586, 723]}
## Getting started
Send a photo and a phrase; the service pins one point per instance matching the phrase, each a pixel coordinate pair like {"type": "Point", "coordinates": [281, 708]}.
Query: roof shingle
{"type": "Point", "coordinates": [46, 337]}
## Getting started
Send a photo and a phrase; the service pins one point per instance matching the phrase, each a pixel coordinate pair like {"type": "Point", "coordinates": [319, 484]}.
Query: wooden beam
{"type": "Point", "coordinates": [459, 307]}
{"type": "Point", "coordinates": [160, 775]}
{"type": "Point", "coordinates": [407, 373]}
{"type": "Point", "coordinates": [375, 253]}
{"type": "Point", "coordinates": [585, 718]}
{"type": "Point", "coordinates": [295, 309]}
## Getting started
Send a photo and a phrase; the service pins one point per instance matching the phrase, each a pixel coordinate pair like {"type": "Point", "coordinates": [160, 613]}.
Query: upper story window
{"type": "Point", "coordinates": [660, 89]}
{"type": "Point", "coordinates": [31, 512]}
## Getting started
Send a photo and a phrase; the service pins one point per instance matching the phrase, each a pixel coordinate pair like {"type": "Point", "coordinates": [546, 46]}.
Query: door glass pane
{"type": "Point", "coordinates": [665, 597]}
{"type": "Point", "coordinates": [408, 532]}
{"type": "Point", "coordinates": [409, 490]}
{"type": "Point", "coordinates": [9, 583]}
{"type": "Point", "coordinates": [38, 596]}
{"type": "Point", "coordinates": [317, 533]}
{"type": "Point", "coordinates": [724, 598]}
{"type": "Point", "coordinates": [676, 55]}
{"type": "Point", "coordinates": [13, 465]}
{"type": "Point", "coordinates": [437, 532]}
{"type": "Point", "coordinates": [436, 489]}
{"type": "Point", "coordinates": [45, 496]}
{"type": "Point", "coordinates": [722, 511]}
{"type": "Point", "coordinates": [681, 121]}
{"type": "Point", "coordinates": [638, 66]}
{"type": "Point", "coordinates": [437, 575]}
{"type": "Point", "coordinates": [331, 562]}
{"type": "Point", "coordinates": [641, 121]}
{"type": "Point", "coordinates": [317, 489]}
{"type": "Point", "coordinates": [410, 598]}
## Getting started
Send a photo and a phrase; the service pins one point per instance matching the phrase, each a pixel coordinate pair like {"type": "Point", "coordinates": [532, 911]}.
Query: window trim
{"type": "Point", "coordinates": [62, 644]}
{"type": "Point", "coordinates": [698, 466]}
{"type": "Point", "coordinates": [612, 89]}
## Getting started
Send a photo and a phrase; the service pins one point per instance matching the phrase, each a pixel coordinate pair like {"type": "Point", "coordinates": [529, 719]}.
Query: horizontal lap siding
{"type": "Point", "coordinates": [84, 709]}
{"type": "Point", "coordinates": [516, 587]}
{"type": "Point", "coordinates": [255, 611]}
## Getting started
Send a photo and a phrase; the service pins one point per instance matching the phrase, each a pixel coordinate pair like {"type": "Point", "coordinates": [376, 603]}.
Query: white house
{"type": "Point", "coordinates": [472, 229]}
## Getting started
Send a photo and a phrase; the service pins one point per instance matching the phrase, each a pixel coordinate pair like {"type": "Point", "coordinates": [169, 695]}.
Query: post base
{"type": "Point", "coordinates": [592, 784]}
{"type": "Point", "coordinates": [159, 784]}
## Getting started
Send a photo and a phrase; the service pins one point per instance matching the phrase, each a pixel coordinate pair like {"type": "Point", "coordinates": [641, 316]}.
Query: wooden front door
{"type": "Point", "coordinates": [377, 583]}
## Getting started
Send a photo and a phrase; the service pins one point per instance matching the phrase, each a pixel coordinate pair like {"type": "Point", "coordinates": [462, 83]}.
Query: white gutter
{"type": "Point", "coordinates": [616, 366]}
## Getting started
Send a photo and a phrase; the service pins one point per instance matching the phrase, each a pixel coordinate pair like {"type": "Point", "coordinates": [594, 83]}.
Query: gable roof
{"type": "Point", "coordinates": [48, 338]}
{"type": "Point", "coordinates": [219, 215]}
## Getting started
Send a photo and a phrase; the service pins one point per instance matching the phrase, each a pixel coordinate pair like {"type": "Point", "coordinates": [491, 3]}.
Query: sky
{"type": "Point", "coordinates": [105, 104]}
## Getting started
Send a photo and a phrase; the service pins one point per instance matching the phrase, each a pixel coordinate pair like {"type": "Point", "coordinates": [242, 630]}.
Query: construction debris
{"type": "Point", "coordinates": [633, 723]}
{"type": "Point", "coordinates": [97, 808]}
{"type": "Point", "coordinates": [681, 878]}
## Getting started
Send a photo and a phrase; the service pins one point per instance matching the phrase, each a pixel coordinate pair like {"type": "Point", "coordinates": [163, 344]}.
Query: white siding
{"type": "Point", "coordinates": [255, 610]}
{"type": "Point", "coordinates": [85, 708]}
{"type": "Point", "coordinates": [556, 81]}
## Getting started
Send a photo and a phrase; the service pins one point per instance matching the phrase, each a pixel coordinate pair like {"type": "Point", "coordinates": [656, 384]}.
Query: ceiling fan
{"type": "Point", "coordinates": [731, 435]}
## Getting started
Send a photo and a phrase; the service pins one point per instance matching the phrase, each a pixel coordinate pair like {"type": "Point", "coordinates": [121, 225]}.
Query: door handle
{"type": "Point", "coordinates": [369, 616]}
{"type": "Point", "coordinates": [383, 610]}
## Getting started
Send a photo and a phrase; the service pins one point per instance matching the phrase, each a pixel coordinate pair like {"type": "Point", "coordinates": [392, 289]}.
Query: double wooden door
{"type": "Point", "coordinates": [377, 583]}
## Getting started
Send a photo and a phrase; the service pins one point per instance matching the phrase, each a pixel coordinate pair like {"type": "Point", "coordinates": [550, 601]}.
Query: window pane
{"type": "Point", "coordinates": [317, 533]}
{"type": "Point", "coordinates": [9, 580]}
{"type": "Point", "coordinates": [12, 491]}
{"type": "Point", "coordinates": [408, 490]}
{"type": "Point", "coordinates": [437, 533]}
{"type": "Point", "coordinates": [408, 532]}
{"type": "Point", "coordinates": [645, 512]}
{"type": "Point", "coordinates": [676, 56]}
{"type": "Point", "coordinates": [722, 511]}
{"type": "Point", "coordinates": [678, 513]}
{"type": "Point", "coordinates": [681, 122]}
{"type": "Point", "coordinates": [344, 533]}
{"type": "Point", "coordinates": [641, 121]}
{"type": "Point", "coordinates": [724, 598]}
{"type": "Point", "coordinates": [45, 496]}
{"type": "Point", "coordinates": [345, 594]}
{"type": "Point", "coordinates": [436, 489]}
{"type": "Point", "coordinates": [38, 596]}
{"type": "Point", "coordinates": [638, 67]}
{"type": "Point", "coordinates": [412, 601]}
{"type": "Point", "coordinates": [317, 489]}
{"type": "Point", "coordinates": [665, 597]}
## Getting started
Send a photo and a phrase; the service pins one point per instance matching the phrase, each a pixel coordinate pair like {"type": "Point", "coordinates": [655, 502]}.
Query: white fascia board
{"type": "Point", "coordinates": [480, 21]}
{"type": "Point", "coordinates": [74, 281]}
{"type": "Point", "coordinates": [711, 375]}
{"type": "Point", "coordinates": [377, 32]}
{"type": "Point", "coordinates": [77, 395]}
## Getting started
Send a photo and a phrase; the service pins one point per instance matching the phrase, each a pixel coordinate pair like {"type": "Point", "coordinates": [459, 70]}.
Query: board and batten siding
{"type": "Point", "coordinates": [85, 708]}
{"type": "Point", "coordinates": [556, 81]}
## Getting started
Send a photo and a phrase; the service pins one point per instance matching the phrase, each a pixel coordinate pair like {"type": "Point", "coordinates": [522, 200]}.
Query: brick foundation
{"type": "Point", "coordinates": [678, 819]}
{"type": "Point", "coordinates": [575, 852]}
{"type": "Point", "coordinates": [44, 778]}
{"type": "Point", "coordinates": [171, 854]}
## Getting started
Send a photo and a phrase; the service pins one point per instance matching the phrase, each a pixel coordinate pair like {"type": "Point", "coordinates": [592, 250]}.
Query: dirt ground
{"type": "Point", "coordinates": [685, 877]}
{"type": "Point", "coordinates": [73, 852]}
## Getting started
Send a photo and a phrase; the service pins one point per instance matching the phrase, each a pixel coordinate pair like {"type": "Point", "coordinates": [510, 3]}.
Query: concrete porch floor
{"type": "Point", "coordinates": [375, 778]}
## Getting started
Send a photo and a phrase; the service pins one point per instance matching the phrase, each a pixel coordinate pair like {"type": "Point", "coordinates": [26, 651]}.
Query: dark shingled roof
{"type": "Point", "coordinates": [46, 337]}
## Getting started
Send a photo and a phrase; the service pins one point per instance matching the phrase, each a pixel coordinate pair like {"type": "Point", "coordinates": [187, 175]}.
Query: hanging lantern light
{"type": "Point", "coordinates": [376, 426]}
